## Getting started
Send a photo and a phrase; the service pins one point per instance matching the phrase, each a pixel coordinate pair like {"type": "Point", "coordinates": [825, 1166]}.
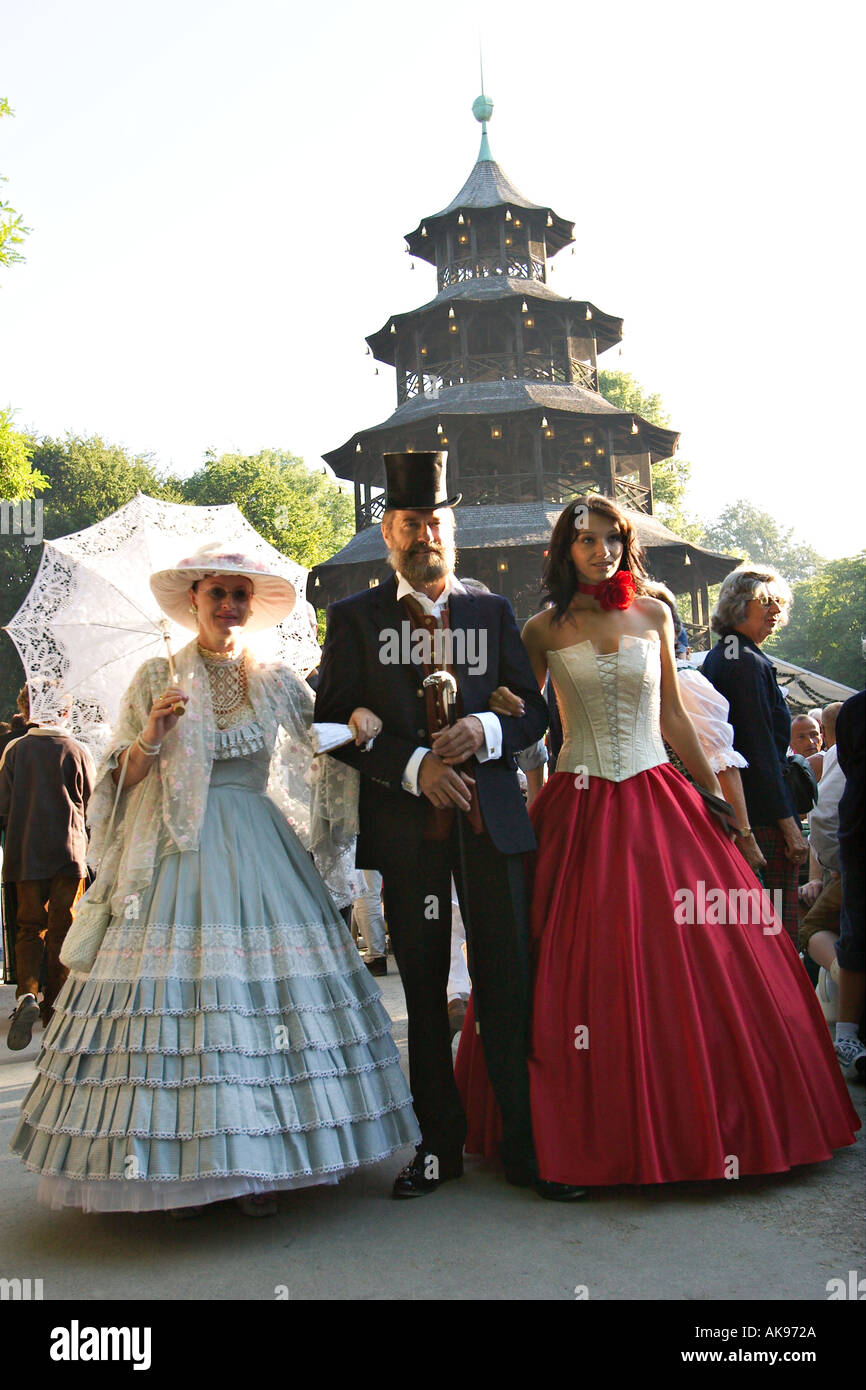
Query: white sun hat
{"type": "Point", "coordinates": [273, 595]}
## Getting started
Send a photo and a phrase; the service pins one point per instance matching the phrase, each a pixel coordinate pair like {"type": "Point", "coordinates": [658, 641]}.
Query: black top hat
{"type": "Point", "coordinates": [416, 482]}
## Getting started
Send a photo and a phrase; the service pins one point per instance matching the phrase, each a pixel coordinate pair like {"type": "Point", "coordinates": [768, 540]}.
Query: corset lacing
{"type": "Point", "coordinates": [607, 674]}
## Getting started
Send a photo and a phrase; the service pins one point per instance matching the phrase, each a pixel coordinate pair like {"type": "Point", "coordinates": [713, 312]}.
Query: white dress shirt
{"type": "Point", "coordinates": [824, 819]}
{"type": "Point", "coordinates": [492, 745]}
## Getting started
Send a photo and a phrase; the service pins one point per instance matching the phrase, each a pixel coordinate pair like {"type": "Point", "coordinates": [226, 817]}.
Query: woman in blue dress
{"type": "Point", "coordinates": [228, 1041]}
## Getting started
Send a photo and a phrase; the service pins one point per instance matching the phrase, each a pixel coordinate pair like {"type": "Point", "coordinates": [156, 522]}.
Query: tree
{"type": "Point", "coordinates": [18, 479]}
{"type": "Point", "coordinates": [743, 529]}
{"type": "Point", "coordinates": [828, 622]}
{"type": "Point", "coordinates": [12, 229]}
{"type": "Point", "coordinates": [670, 477]}
{"type": "Point", "coordinates": [303, 514]}
{"type": "Point", "coordinates": [88, 479]}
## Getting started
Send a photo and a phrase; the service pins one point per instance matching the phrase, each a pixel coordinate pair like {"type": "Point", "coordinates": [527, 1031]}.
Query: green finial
{"type": "Point", "coordinates": [482, 110]}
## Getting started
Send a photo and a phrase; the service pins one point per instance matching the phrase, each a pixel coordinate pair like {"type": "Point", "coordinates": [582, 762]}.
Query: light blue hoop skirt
{"type": "Point", "coordinates": [228, 1040]}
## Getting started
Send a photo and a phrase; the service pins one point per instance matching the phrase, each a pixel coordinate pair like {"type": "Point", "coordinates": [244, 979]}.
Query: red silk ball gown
{"type": "Point", "coordinates": [669, 1042]}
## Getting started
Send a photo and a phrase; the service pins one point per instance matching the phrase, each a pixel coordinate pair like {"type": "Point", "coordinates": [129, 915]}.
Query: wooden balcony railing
{"type": "Point", "coordinates": [497, 489]}
{"type": "Point", "coordinates": [496, 366]}
{"type": "Point", "coordinates": [464, 268]}
{"type": "Point", "coordinates": [634, 495]}
{"type": "Point", "coordinates": [492, 491]}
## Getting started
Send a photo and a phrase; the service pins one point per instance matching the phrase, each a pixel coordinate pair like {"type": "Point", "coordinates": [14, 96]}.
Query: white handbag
{"type": "Point", "coordinates": [93, 915]}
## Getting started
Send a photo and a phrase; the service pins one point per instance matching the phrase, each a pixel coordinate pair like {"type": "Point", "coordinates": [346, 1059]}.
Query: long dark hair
{"type": "Point", "coordinates": [559, 576]}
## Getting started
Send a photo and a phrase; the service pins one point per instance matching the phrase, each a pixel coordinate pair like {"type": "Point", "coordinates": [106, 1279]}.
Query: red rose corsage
{"type": "Point", "coordinates": [616, 592]}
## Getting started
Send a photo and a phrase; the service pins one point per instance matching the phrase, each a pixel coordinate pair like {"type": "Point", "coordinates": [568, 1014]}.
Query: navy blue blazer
{"type": "Point", "coordinates": [851, 752]}
{"type": "Point", "coordinates": [351, 674]}
{"type": "Point", "coordinates": [761, 722]}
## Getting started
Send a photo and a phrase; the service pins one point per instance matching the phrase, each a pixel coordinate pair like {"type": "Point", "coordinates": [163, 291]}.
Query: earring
{"type": "Point", "coordinates": [193, 609]}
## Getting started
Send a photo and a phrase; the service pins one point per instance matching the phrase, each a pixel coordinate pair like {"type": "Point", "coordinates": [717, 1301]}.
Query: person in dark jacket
{"type": "Point", "coordinates": [851, 946]}
{"type": "Point", "coordinates": [46, 777]}
{"type": "Point", "coordinates": [415, 783]}
{"type": "Point", "coordinates": [18, 725]}
{"type": "Point", "coordinates": [753, 603]}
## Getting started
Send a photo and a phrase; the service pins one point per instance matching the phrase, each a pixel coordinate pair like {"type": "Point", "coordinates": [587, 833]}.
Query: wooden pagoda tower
{"type": "Point", "coordinates": [502, 372]}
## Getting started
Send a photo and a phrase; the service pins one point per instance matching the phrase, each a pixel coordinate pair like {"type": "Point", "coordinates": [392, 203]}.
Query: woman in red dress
{"type": "Point", "coordinates": [675, 1033]}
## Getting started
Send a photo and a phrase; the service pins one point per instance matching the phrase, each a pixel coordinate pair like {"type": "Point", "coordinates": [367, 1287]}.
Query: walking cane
{"type": "Point", "coordinates": [179, 708]}
{"type": "Point", "coordinates": [444, 687]}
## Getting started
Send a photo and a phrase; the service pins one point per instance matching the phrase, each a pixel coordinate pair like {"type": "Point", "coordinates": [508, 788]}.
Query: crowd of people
{"type": "Point", "coordinates": [628, 924]}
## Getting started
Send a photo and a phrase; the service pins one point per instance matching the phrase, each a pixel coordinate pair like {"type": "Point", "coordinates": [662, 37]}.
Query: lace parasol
{"type": "Point", "coordinates": [90, 619]}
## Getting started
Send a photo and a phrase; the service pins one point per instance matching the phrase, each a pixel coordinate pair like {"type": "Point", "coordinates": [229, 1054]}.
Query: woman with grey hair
{"type": "Point", "coordinates": [708, 711]}
{"type": "Point", "coordinates": [753, 603]}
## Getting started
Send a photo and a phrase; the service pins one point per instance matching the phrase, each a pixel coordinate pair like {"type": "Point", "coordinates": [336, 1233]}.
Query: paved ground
{"type": "Point", "coordinates": [756, 1239]}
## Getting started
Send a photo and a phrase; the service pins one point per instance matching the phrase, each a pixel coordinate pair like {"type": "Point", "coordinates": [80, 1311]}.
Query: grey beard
{"type": "Point", "coordinates": [421, 568]}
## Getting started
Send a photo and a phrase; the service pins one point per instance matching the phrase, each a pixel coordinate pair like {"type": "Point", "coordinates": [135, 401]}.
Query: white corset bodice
{"type": "Point", "coordinates": [610, 707]}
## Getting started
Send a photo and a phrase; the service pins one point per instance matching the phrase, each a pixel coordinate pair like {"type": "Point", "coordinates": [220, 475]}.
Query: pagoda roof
{"type": "Point", "coordinates": [607, 328]}
{"type": "Point", "coordinates": [488, 187]}
{"type": "Point", "coordinates": [530, 524]}
{"type": "Point", "coordinates": [500, 398]}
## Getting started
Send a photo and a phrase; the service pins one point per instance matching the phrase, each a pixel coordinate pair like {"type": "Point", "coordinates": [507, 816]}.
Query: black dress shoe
{"type": "Point", "coordinates": [378, 965]}
{"type": "Point", "coordinates": [425, 1173]}
{"type": "Point", "coordinates": [558, 1191]}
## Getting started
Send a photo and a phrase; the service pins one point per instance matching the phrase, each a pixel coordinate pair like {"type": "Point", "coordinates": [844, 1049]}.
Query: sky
{"type": "Point", "coordinates": [218, 194]}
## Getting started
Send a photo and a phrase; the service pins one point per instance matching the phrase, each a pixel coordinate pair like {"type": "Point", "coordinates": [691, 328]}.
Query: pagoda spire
{"type": "Point", "coordinates": [502, 372]}
{"type": "Point", "coordinates": [482, 110]}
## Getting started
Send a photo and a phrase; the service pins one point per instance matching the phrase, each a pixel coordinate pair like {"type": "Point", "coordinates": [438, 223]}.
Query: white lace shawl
{"type": "Point", "coordinates": [165, 811]}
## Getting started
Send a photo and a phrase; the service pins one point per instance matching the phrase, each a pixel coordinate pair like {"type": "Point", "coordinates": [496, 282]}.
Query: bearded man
{"type": "Point", "coordinates": [438, 799]}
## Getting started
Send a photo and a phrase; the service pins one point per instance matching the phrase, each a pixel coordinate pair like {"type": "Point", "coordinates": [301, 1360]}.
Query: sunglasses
{"type": "Point", "coordinates": [218, 593]}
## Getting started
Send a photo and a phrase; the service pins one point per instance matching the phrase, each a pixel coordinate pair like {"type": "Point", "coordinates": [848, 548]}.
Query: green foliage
{"type": "Point", "coordinates": [828, 621]}
{"type": "Point", "coordinates": [88, 479]}
{"type": "Point", "coordinates": [621, 389]}
{"type": "Point", "coordinates": [303, 514]}
{"type": "Point", "coordinates": [670, 477]}
{"type": "Point", "coordinates": [744, 530]}
{"type": "Point", "coordinates": [18, 479]}
{"type": "Point", "coordinates": [12, 229]}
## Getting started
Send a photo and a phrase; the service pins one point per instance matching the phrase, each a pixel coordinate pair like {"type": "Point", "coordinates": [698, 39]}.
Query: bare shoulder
{"type": "Point", "coordinates": [656, 613]}
{"type": "Point", "coordinates": [537, 629]}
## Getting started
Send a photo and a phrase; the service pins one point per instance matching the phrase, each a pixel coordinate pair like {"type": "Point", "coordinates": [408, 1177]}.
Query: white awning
{"type": "Point", "coordinates": [803, 690]}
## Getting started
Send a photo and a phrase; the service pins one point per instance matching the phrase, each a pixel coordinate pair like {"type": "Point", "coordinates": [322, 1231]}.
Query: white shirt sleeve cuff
{"type": "Point", "coordinates": [535, 756]}
{"type": "Point", "coordinates": [409, 780]}
{"type": "Point", "coordinates": [492, 745]}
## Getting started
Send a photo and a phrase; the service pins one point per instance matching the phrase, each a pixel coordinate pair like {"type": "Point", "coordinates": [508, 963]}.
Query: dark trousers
{"type": "Point", "coordinates": [46, 907]}
{"type": "Point", "coordinates": [493, 902]}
